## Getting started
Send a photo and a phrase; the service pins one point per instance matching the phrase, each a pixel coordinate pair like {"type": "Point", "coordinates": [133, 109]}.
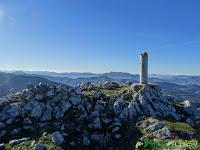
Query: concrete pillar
{"type": "Point", "coordinates": [144, 68]}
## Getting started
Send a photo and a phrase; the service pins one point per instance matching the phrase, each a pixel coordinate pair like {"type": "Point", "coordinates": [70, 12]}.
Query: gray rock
{"type": "Point", "coordinates": [100, 138]}
{"type": "Point", "coordinates": [132, 110]}
{"type": "Point", "coordinates": [87, 86]}
{"type": "Point", "coordinates": [15, 142]}
{"type": "Point", "coordinates": [117, 136]}
{"type": "Point", "coordinates": [2, 146]}
{"type": "Point", "coordinates": [28, 106]}
{"type": "Point", "coordinates": [98, 107]}
{"type": "Point", "coordinates": [75, 100]}
{"type": "Point", "coordinates": [47, 114]}
{"type": "Point", "coordinates": [27, 121]}
{"type": "Point", "coordinates": [124, 114]}
{"type": "Point", "coordinates": [186, 103]}
{"type": "Point", "coordinates": [72, 143]}
{"type": "Point", "coordinates": [116, 129]}
{"type": "Point", "coordinates": [11, 111]}
{"type": "Point", "coordinates": [2, 125]}
{"type": "Point", "coordinates": [40, 147]}
{"type": "Point", "coordinates": [86, 140]}
{"type": "Point", "coordinates": [33, 143]}
{"type": "Point", "coordinates": [97, 94]}
{"type": "Point", "coordinates": [37, 110]}
{"type": "Point", "coordinates": [118, 106]}
{"type": "Point", "coordinates": [57, 138]}
{"type": "Point", "coordinates": [77, 90]}
{"type": "Point", "coordinates": [65, 105]}
{"type": "Point", "coordinates": [156, 126]}
{"type": "Point", "coordinates": [10, 121]}
{"type": "Point", "coordinates": [29, 127]}
{"type": "Point", "coordinates": [106, 121]}
{"type": "Point", "coordinates": [39, 97]}
{"type": "Point", "coordinates": [16, 132]}
{"type": "Point", "coordinates": [96, 124]}
{"type": "Point", "coordinates": [59, 112]}
{"type": "Point", "coordinates": [51, 93]}
{"type": "Point", "coordinates": [2, 133]}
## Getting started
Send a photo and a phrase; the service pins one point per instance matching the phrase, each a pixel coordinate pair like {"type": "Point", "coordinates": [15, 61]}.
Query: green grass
{"type": "Point", "coordinates": [24, 146]}
{"type": "Point", "coordinates": [47, 141]}
{"type": "Point", "coordinates": [179, 126]}
{"type": "Point", "coordinates": [109, 93]}
{"type": "Point", "coordinates": [44, 139]}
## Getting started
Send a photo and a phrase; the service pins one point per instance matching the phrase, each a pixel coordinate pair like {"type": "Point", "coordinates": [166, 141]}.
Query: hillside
{"type": "Point", "coordinates": [12, 83]}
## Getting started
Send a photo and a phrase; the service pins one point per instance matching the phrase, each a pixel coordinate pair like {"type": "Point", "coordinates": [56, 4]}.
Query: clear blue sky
{"type": "Point", "coordinates": [100, 35]}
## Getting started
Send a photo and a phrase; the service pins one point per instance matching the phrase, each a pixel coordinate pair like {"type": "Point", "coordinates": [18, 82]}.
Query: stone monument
{"type": "Point", "coordinates": [144, 68]}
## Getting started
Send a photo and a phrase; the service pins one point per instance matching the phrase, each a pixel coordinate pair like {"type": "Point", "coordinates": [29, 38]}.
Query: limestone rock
{"type": "Point", "coordinates": [75, 100]}
{"type": "Point", "coordinates": [96, 124]}
{"type": "Point", "coordinates": [97, 94]}
{"type": "Point", "coordinates": [2, 146]}
{"type": "Point", "coordinates": [46, 115]}
{"type": "Point", "coordinates": [59, 112]}
{"type": "Point", "coordinates": [16, 132]}
{"type": "Point", "coordinates": [186, 103]}
{"type": "Point", "coordinates": [14, 142]}
{"type": "Point", "coordinates": [88, 86]}
{"type": "Point", "coordinates": [2, 133]}
{"type": "Point", "coordinates": [57, 138]}
{"type": "Point", "coordinates": [37, 110]}
{"type": "Point", "coordinates": [118, 106]}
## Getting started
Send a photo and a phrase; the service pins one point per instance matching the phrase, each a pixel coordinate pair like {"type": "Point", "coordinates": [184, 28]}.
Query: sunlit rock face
{"type": "Point", "coordinates": [144, 100]}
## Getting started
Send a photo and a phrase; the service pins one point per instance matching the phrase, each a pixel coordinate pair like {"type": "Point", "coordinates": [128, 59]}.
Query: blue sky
{"type": "Point", "coordinates": [100, 35]}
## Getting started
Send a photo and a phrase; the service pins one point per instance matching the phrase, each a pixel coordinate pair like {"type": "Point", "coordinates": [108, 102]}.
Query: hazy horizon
{"type": "Point", "coordinates": [46, 71]}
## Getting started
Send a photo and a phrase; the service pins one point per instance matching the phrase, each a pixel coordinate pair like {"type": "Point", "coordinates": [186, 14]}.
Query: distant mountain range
{"type": "Point", "coordinates": [11, 82]}
{"type": "Point", "coordinates": [153, 78]}
{"type": "Point", "coordinates": [180, 86]}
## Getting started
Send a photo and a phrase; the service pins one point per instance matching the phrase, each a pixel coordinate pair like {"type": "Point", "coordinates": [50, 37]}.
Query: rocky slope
{"type": "Point", "coordinates": [106, 116]}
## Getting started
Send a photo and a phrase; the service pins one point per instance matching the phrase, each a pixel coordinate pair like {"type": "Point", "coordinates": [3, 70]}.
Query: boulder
{"type": "Point", "coordinates": [186, 103]}
{"type": "Point", "coordinates": [57, 138]}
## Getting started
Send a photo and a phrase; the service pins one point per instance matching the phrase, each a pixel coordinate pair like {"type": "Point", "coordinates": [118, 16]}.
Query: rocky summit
{"type": "Point", "coordinates": [104, 116]}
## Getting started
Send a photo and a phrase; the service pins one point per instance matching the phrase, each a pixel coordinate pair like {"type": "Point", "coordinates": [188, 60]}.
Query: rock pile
{"type": "Point", "coordinates": [78, 120]}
